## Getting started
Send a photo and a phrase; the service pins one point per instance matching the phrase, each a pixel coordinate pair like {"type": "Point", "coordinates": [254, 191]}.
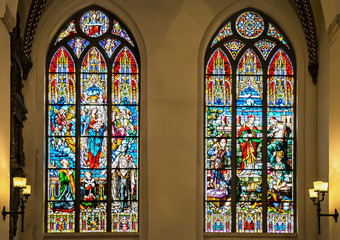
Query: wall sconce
{"type": "Point", "coordinates": [317, 194]}
{"type": "Point", "coordinates": [23, 192]}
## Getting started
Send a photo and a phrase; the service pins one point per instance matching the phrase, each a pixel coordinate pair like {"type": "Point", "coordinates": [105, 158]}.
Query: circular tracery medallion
{"type": "Point", "coordinates": [249, 25]}
{"type": "Point", "coordinates": [94, 23]}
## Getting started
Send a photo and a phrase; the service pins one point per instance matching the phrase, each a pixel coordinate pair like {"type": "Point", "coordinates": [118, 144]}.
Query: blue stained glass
{"type": "Point", "coordinates": [78, 45]}
{"type": "Point", "coordinates": [109, 45]}
{"type": "Point", "coordinates": [125, 146]}
{"type": "Point", "coordinates": [265, 47]}
{"type": "Point", "coordinates": [61, 148]}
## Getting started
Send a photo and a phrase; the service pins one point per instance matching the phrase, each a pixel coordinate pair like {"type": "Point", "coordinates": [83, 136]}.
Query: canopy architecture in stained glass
{"type": "Point", "coordinates": [92, 143]}
{"type": "Point", "coordinates": [249, 156]}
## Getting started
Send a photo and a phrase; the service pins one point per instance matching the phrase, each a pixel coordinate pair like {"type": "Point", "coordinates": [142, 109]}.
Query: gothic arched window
{"type": "Point", "coordinates": [250, 127]}
{"type": "Point", "coordinates": [92, 143]}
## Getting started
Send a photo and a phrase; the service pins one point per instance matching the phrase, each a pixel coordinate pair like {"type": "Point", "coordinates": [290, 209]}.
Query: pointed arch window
{"type": "Point", "coordinates": [250, 141]}
{"type": "Point", "coordinates": [92, 143]}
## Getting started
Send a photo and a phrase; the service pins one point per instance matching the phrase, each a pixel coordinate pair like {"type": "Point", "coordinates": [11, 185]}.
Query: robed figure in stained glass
{"type": "Point", "coordinates": [67, 189]}
{"type": "Point", "coordinates": [95, 128]}
{"type": "Point", "coordinates": [124, 176]}
{"type": "Point", "coordinates": [277, 133]}
{"type": "Point", "coordinates": [249, 142]}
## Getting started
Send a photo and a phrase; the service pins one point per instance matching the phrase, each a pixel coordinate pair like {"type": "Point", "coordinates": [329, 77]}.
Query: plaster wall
{"type": "Point", "coordinates": [4, 127]}
{"type": "Point", "coordinates": [334, 144]}
{"type": "Point", "coordinates": [172, 37]}
{"type": "Point", "coordinates": [7, 7]}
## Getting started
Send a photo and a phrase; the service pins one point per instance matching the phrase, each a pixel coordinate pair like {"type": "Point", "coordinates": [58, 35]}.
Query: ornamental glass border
{"type": "Point", "coordinates": [92, 177]}
{"type": "Point", "coordinates": [249, 85]}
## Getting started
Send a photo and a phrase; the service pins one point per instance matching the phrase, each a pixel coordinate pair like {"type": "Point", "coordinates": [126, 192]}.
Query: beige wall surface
{"type": "Point", "coordinates": [4, 128]}
{"type": "Point", "coordinates": [172, 37]}
{"type": "Point", "coordinates": [7, 22]}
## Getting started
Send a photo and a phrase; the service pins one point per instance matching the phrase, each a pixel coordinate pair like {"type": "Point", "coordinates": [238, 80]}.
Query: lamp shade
{"type": "Point", "coordinates": [320, 186]}
{"type": "Point", "coordinates": [27, 190]}
{"type": "Point", "coordinates": [313, 194]}
{"type": "Point", "coordinates": [19, 182]}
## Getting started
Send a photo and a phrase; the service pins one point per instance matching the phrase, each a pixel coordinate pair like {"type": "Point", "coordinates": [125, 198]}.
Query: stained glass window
{"type": "Point", "coordinates": [93, 89]}
{"type": "Point", "coordinates": [249, 157]}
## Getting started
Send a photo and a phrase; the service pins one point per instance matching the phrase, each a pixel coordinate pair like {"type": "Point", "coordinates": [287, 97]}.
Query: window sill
{"type": "Point", "coordinates": [84, 236]}
{"type": "Point", "coordinates": [240, 236]}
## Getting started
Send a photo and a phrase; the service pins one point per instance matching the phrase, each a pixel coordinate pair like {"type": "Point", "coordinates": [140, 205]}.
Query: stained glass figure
{"type": "Point", "coordinates": [93, 185]}
{"type": "Point", "coordinates": [246, 120]}
{"type": "Point", "coordinates": [62, 120]}
{"type": "Point", "coordinates": [218, 154]}
{"type": "Point", "coordinates": [224, 32]}
{"type": "Point", "coordinates": [62, 188]}
{"type": "Point", "coordinates": [125, 79]}
{"type": "Point", "coordinates": [273, 32]}
{"type": "Point", "coordinates": [93, 152]}
{"type": "Point", "coordinates": [119, 31]}
{"type": "Point", "coordinates": [71, 29]}
{"type": "Point", "coordinates": [124, 121]}
{"type": "Point", "coordinates": [94, 62]}
{"type": "Point", "coordinates": [61, 148]}
{"type": "Point", "coordinates": [218, 122]}
{"type": "Point", "coordinates": [265, 47]}
{"type": "Point", "coordinates": [93, 88]}
{"type": "Point", "coordinates": [125, 149]}
{"type": "Point", "coordinates": [234, 47]}
{"type": "Point", "coordinates": [249, 25]}
{"type": "Point", "coordinates": [94, 23]}
{"type": "Point", "coordinates": [109, 45]}
{"type": "Point", "coordinates": [78, 45]}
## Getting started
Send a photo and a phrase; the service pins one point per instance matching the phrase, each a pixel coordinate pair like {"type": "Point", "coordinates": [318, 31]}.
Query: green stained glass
{"type": "Point", "coordinates": [218, 122]}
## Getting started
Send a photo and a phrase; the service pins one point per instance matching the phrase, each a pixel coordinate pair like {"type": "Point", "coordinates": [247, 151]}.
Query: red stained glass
{"type": "Point", "coordinates": [125, 62]}
{"type": "Point", "coordinates": [280, 64]}
{"type": "Point", "coordinates": [218, 64]}
{"type": "Point", "coordinates": [62, 62]}
{"type": "Point", "coordinates": [94, 62]}
{"type": "Point", "coordinates": [249, 64]}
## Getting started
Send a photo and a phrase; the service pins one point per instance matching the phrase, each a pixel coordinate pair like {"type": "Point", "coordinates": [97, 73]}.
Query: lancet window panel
{"type": "Point", "coordinates": [250, 141]}
{"type": "Point", "coordinates": [92, 126]}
